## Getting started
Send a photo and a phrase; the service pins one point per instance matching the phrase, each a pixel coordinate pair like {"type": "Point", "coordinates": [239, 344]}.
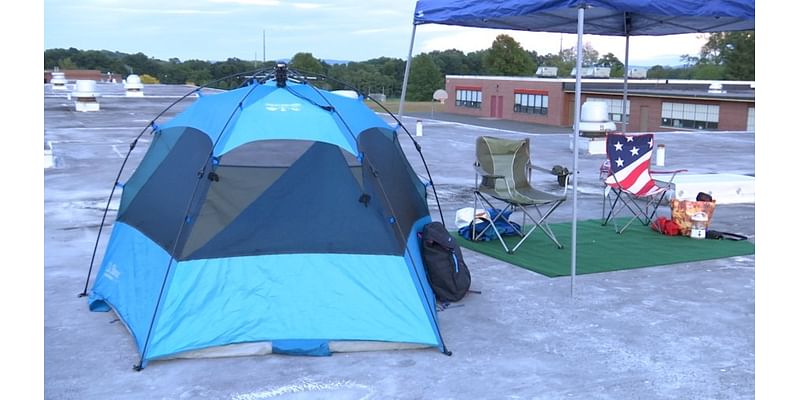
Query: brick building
{"type": "Point", "coordinates": [72, 75]}
{"type": "Point", "coordinates": [653, 105]}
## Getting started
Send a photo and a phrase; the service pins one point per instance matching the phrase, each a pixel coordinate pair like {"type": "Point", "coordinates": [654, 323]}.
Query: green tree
{"type": "Point", "coordinates": [227, 69]}
{"type": "Point", "coordinates": [391, 71]}
{"type": "Point", "coordinates": [307, 63]}
{"type": "Point", "coordinates": [736, 51]}
{"type": "Point", "coordinates": [140, 64]}
{"type": "Point", "coordinates": [424, 78]}
{"type": "Point", "coordinates": [657, 72]}
{"type": "Point", "coordinates": [450, 62]}
{"type": "Point", "coordinates": [67, 63]}
{"type": "Point", "coordinates": [474, 62]}
{"type": "Point", "coordinates": [555, 60]}
{"type": "Point", "coordinates": [507, 58]}
{"type": "Point", "coordinates": [708, 71]}
{"type": "Point", "coordinates": [53, 57]}
{"type": "Point", "coordinates": [569, 58]}
{"type": "Point", "coordinates": [611, 61]}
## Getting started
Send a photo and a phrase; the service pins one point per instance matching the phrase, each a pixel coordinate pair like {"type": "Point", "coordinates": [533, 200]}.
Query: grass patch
{"type": "Point", "coordinates": [393, 105]}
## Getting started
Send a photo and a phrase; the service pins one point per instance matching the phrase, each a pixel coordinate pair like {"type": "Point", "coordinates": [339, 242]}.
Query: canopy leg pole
{"type": "Point", "coordinates": [575, 125]}
{"type": "Point", "coordinates": [405, 75]}
{"type": "Point", "coordinates": [625, 88]}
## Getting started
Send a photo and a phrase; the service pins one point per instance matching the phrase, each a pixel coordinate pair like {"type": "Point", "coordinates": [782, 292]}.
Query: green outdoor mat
{"type": "Point", "coordinates": [601, 249]}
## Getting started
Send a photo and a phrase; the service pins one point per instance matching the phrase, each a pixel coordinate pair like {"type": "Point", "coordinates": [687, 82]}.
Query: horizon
{"type": "Point", "coordinates": [330, 61]}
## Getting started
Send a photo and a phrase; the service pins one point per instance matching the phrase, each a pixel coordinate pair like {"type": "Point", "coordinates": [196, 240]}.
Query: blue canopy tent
{"type": "Point", "coordinates": [599, 17]}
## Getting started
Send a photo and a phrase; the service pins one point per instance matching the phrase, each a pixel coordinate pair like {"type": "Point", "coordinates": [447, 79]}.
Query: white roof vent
{"type": "Point", "coordinates": [133, 86]}
{"type": "Point", "coordinates": [715, 87]}
{"type": "Point", "coordinates": [86, 96]}
{"type": "Point", "coordinates": [594, 119]}
{"type": "Point", "coordinates": [594, 111]}
{"type": "Point", "coordinates": [59, 81]}
{"type": "Point", "coordinates": [85, 89]}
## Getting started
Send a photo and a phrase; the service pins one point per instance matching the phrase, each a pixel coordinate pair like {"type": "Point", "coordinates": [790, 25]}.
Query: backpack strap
{"type": "Point", "coordinates": [724, 235]}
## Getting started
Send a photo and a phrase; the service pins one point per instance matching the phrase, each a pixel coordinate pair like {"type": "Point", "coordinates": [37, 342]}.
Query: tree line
{"type": "Point", "coordinates": [725, 56]}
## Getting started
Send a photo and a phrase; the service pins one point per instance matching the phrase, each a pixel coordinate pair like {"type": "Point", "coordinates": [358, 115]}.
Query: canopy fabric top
{"type": "Point", "coordinates": [601, 17]}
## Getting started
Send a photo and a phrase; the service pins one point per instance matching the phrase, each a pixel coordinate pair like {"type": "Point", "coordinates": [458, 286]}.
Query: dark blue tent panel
{"type": "Point", "coordinates": [290, 217]}
{"type": "Point", "coordinates": [160, 197]}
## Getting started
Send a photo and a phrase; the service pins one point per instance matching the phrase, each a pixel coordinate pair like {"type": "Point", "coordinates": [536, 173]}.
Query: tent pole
{"type": "Point", "coordinates": [405, 75]}
{"type": "Point", "coordinates": [575, 126]}
{"type": "Point", "coordinates": [625, 88]}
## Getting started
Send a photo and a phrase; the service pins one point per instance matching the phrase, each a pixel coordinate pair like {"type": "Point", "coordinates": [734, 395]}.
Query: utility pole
{"type": "Point", "coordinates": [264, 46]}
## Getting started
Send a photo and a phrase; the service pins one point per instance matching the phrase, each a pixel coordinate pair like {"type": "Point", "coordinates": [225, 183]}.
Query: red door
{"type": "Point", "coordinates": [497, 107]}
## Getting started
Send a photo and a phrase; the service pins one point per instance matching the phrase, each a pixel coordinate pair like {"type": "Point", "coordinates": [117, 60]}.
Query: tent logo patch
{"type": "Point", "coordinates": [112, 273]}
{"type": "Point", "coordinates": [282, 107]}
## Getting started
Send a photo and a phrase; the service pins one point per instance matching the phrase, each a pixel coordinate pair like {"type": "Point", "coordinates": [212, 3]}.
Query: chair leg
{"type": "Point", "coordinates": [612, 207]}
{"type": "Point", "coordinates": [537, 223]}
{"type": "Point", "coordinates": [541, 223]}
{"type": "Point", "coordinates": [643, 214]}
{"type": "Point", "coordinates": [491, 220]}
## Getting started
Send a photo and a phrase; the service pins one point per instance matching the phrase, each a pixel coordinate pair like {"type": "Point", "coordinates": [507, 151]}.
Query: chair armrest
{"type": "Point", "coordinates": [482, 172]}
{"type": "Point", "coordinates": [673, 173]}
{"type": "Point", "coordinates": [669, 172]}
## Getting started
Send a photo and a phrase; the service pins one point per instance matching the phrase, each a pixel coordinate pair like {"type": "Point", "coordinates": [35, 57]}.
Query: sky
{"type": "Point", "coordinates": [352, 30]}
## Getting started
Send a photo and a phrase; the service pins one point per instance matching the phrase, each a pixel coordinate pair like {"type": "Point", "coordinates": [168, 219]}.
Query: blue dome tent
{"type": "Point", "coordinates": [272, 218]}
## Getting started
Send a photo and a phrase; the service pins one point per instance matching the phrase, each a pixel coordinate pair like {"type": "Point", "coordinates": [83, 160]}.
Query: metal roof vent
{"type": "Point", "coordinates": [134, 86]}
{"type": "Point", "coordinates": [85, 94]}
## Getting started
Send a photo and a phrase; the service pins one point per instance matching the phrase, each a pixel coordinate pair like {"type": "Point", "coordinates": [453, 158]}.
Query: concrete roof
{"type": "Point", "coordinates": [684, 331]}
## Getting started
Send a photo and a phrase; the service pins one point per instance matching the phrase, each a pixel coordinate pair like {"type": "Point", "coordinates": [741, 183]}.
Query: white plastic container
{"type": "Point", "coordinates": [699, 225]}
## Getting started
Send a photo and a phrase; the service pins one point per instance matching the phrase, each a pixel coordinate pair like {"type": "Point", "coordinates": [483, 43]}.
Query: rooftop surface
{"type": "Point", "coordinates": [682, 331]}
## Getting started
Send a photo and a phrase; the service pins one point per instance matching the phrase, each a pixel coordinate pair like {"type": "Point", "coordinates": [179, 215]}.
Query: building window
{"type": "Point", "coordinates": [531, 102]}
{"type": "Point", "coordinates": [468, 97]}
{"type": "Point", "coordinates": [689, 116]}
{"type": "Point", "coordinates": [751, 119]}
{"type": "Point", "coordinates": [614, 108]}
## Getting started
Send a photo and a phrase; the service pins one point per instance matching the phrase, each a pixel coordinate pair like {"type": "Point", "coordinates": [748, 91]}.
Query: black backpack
{"type": "Point", "coordinates": [447, 272]}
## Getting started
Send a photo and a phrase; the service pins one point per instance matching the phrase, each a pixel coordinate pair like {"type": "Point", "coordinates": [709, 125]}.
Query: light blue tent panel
{"type": "Point", "coordinates": [215, 302]}
{"type": "Point", "coordinates": [290, 296]}
{"type": "Point", "coordinates": [129, 279]}
{"type": "Point", "coordinates": [268, 112]}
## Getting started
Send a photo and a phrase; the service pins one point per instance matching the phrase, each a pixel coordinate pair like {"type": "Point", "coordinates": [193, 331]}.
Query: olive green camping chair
{"type": "Point", "coordinates": [503, 172]}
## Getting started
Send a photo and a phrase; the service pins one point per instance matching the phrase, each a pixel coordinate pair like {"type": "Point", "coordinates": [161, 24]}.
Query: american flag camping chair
{"type": "Point", "coordinates": [629, 184]}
